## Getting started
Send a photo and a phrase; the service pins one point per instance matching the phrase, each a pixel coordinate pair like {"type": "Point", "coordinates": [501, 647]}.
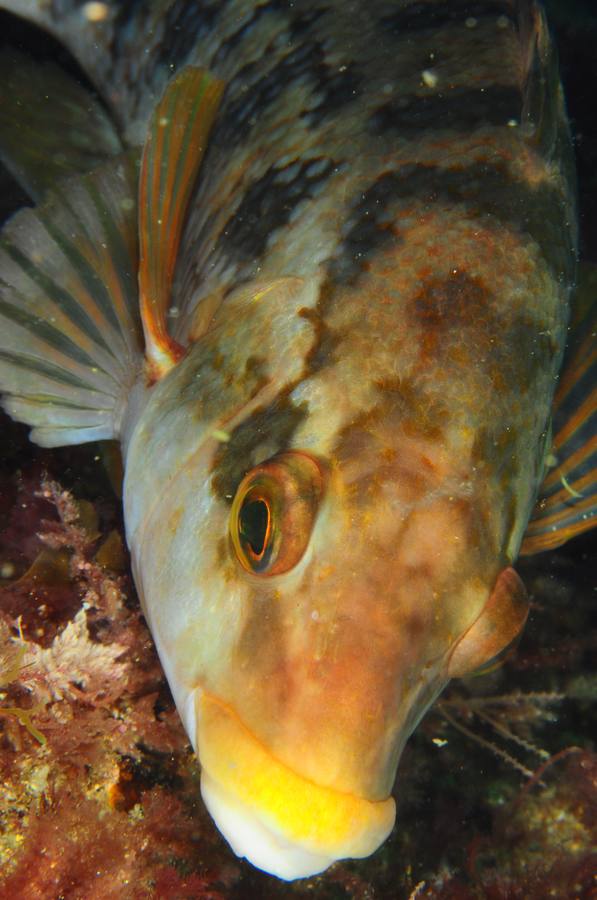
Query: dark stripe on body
{"type": "Point", "coordinates": [486, 192]}
{"type": "Point", "coordinates": [338, 89]}
{"type": "Point", "coordinates": [368, 230]}
{"type": "Point", "coordinates": [298, 21]}
{"type": "Point", "coordinates": [267, 206]}
{"type": "Point", "coordinates": [250, 93]}
{"type": "Point", "coordinates": [423, 16]}
{"type": "Point", "coordinates": [184, 24]}
{"type": "Point", "coordinates": [231, 43]}
{"type": "Point", "coordinates": [275, 423]}
{"type": "Point", "coordinates": [454, 109]}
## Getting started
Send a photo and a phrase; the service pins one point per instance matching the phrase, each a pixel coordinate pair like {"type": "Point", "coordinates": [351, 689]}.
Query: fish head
{"type": "Point", "coordinates": [309, 601]}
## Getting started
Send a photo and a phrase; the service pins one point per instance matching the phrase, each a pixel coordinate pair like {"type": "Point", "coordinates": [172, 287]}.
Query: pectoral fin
{"type": "Point", "coordinates": [174, 148]}
{"type": "Point", "coordinates": [69, 328]}
{"type": "Point", "coordinates": [498, 625]}
{"type": "Point", "coordinates": [567, 503]}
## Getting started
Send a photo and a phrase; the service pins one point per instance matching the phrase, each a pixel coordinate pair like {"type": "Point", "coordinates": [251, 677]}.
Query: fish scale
{"type": "Point", "coordinates": [356, 144]}
{"type": "Point", "coordinates": [354, 231]}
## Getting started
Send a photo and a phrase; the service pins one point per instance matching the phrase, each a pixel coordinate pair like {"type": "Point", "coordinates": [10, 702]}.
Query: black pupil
{"type": "Point", "coordinates": [252, 523]}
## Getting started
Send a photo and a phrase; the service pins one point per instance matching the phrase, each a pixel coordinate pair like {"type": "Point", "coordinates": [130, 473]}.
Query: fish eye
{"type": "Point", "coordinates": [254, 520]}
{"type": "Point", "coordinates": [274, 511]}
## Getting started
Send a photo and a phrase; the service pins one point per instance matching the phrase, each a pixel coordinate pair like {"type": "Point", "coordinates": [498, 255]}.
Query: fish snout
{"type": "Point", "coordinates": [279, 820]}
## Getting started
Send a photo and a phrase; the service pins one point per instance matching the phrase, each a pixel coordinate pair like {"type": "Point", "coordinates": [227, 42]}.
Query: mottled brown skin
{"type": "Point", "coordinates": [419, 371]}
{"type": "Point", "coordinates": [429, 481]}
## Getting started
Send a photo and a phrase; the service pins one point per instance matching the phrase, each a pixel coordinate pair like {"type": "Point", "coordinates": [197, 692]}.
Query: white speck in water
{"type": "Point", "coordinates": [96, 12]}
{"type": "Point", "coordinates": [315, 615]}
{"type": "Point", "coordinates": [7, 570]}
{"type": "Point", "coordinates": [429, 78]}
{"type": "Point", "coordinates": [471, 22]}
{"type": "Point", "coordinates": [502, 22]}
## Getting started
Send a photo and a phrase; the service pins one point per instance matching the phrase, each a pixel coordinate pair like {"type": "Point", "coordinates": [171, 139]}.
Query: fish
{"type": "Point", "coordinates": [312, 265]}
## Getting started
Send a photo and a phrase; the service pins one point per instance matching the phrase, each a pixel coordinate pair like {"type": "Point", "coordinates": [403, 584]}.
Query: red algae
{"type": "Point", "coordinates": [99, 794]}
{"type": "Point", "coordinates": [542, 844]}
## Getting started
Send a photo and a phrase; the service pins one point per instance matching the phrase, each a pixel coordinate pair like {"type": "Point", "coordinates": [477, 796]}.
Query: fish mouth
{"type": "Point", "coordinates": [280, 821]}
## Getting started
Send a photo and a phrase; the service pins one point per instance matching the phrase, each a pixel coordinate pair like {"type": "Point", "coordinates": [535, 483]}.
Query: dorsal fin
{"type": "Point", "coordinates": [175, 145]}
{"type": "Point", "coordinates": [50, 126]}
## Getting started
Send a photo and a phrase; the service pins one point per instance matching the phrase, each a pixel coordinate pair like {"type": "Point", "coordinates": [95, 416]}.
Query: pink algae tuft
{"type": "Point", "coordinates": [99, 792]}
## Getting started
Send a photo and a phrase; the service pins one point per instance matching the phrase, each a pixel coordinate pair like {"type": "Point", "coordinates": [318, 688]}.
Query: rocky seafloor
{"type": "Point", "coordinates": [99, 790]}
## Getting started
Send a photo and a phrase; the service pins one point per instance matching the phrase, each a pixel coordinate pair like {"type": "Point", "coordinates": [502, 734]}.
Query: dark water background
{"type": "Point", "coordinates": [467, 826]}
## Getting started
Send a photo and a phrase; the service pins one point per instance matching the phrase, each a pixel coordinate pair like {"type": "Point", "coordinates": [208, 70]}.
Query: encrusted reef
{"type": "Point", "coordinates": [99, 794]}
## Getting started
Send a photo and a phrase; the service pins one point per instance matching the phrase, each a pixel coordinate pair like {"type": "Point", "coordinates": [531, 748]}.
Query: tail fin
{"type": "Point", "coordinates": [70, 334]}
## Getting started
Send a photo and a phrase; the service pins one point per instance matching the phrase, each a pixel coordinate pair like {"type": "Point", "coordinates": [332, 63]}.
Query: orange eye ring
{"type": "Point", "coordinates": [274, 511]}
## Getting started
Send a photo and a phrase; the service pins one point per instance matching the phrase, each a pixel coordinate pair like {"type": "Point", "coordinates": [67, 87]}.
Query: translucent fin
{"type": "Point", "coordinates": [70, 334]}
{"type": "Point", "coordinates": [499, 623]}
{"type": "Point", "coordinates": [175, 144]}
{"type": "Point", "coordinates": [50, 126]}
{"type": "Point", "coordinates": [543, 112]}
{"type": "Point", "coordinates": [567, 503]}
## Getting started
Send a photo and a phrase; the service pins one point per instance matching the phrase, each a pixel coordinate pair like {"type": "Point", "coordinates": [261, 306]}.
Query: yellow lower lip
{"type": "Point", "coordinates": [316, 818]}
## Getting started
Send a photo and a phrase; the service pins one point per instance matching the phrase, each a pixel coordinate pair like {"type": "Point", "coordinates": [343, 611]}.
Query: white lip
{"type": "Point", "coordinates": [280, 821]}
{"type": "Point", "coordinates": [249, 837]}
